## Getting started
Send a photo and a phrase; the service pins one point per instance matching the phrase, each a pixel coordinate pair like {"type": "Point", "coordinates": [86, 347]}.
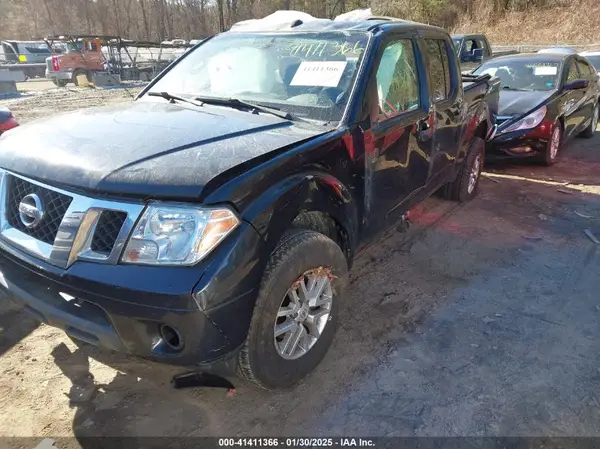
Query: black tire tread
{"type": "Point", "coordinates": [289, 242]}
{"type": "Point", "coordinates": [452, 190]}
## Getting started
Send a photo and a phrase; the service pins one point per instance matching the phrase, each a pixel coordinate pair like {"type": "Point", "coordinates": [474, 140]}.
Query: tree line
{"type": "Point", "coordinates": [158, 20]}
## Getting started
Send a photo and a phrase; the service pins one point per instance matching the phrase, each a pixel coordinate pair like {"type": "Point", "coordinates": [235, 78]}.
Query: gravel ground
{"type": "Point", "coordinates": [481, 320]}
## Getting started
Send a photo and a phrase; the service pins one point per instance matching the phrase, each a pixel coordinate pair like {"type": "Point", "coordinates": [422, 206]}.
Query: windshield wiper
{"type": "Point", "coordinates": [236, 103]}
{"type": "Point", "coordinates": [172, 98]}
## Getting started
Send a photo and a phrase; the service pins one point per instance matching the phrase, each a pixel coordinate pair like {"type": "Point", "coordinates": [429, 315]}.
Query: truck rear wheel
{"type": "Point", "coordinates": [78, 73]}
{"type": "Point", "coordinates": [466, 184]}
{"type": "Point", "coordinates": [296, 312]}
{"type": "Point", "coordinates": [59, 83]}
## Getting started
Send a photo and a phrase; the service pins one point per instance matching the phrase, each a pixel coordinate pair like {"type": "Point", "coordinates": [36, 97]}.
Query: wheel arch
{"type": "Point", "coordinates": [313, 200]}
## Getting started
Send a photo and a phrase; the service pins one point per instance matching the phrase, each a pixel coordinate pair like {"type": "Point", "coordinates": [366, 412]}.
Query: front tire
{"type": "Point", "coordinates": [554, 147]}
{"type": "Point", "coordinates": [296, 313]}
{"type": "Point", "coordinates": [466, 185]}
{"type": "Point", "coordinates": [590, 131]}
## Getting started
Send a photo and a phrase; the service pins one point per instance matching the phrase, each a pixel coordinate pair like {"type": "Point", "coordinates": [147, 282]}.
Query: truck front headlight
{"type": "Point", "coordinates": [173, 234]}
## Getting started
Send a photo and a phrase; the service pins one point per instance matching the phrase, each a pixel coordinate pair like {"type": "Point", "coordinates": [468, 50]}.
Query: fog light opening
{"type": "Point", "coordinates": [171, 337]}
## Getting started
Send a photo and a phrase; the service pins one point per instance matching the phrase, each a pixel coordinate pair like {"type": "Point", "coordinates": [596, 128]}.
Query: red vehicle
{"type": "Point", "coordinates": [7, 121]}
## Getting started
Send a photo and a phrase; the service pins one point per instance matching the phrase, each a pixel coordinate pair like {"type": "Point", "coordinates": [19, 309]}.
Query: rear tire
{"type": "Point", "coordinates": [303, 255]}
{"type": "Point", "coordinates": [79, 72]}
{"type": "Point", "coordinates": [466, 185]}
{"type": "Point", "coordinates": [59, 83]}
{"type": "Point", "coordinates": [590, 131]}
{"type": "Point", "coordinates": [554, 146]}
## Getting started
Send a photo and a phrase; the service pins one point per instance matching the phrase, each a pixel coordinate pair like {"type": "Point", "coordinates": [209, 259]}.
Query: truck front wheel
{"type": "Point", "coordinates": [466, 184]}
{"type": "Point", "coordinates": [296, 312]}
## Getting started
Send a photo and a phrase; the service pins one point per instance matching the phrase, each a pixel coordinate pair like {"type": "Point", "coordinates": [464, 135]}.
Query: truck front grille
{"type": "Point", "coordinates": [107, 230]}
{"type": "Point", "coordinates": [55, 206]}
{"type": "Point", "coordinates": [72, 226]}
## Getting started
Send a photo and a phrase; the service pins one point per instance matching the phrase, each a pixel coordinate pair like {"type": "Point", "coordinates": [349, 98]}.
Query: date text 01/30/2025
{"type": "Point", "coordinates": [296, 442]}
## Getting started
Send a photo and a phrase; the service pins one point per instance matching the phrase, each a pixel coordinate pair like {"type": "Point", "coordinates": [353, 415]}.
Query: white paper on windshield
{"type": "Point", "coordinates": [545, 70]}
{"type": "Point", "coordinates": [319, 73]}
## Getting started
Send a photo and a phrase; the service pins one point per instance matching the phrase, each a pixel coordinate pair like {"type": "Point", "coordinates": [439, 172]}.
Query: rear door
{"type": "Point", "coordinates": [588, 104]}
{"type": "Point", "coordinates": [445, 101]}
{"type": "Point", "coordinates": [572, 98]}
{"type": "Point", "coordinates": [402, 127]}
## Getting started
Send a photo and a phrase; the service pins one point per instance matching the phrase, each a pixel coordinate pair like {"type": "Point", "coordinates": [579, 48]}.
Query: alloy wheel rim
{"type": "Point", "coordinates": [555, 143]}
{"type": "Point", "coordinates": [303, 314]}
{"type": "Point", "coordinates": [474, 175]}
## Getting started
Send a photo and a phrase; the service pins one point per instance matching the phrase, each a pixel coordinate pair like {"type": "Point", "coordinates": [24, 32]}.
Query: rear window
{"type": "Point", "coordinates": [595, 60]}
{"type": "Point", "coordinates": [34, 48]}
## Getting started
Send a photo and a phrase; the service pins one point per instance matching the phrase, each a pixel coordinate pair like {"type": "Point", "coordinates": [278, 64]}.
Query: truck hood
{"type": "Point", "coordinates": [145, 148]}
{"type": "Point", "coordinates": [516, 103]}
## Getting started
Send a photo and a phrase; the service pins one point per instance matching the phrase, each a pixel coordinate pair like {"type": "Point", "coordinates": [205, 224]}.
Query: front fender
{"type": "Point", "coordinates": [273, 212]}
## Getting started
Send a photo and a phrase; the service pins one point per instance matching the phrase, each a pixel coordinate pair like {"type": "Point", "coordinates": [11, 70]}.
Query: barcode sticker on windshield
{"type": "Point", "coordinates": [319, 73]}
{"type": "Point", "coordinates": [543, 71]}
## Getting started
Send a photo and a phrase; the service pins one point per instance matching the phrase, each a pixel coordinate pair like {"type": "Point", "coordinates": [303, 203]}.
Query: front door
{"type": "Point", "coordinates": [402, 130]}
{"type": "Point", "coordinates": [573, 99]}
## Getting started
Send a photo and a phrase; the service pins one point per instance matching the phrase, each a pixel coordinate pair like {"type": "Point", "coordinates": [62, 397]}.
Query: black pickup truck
{"type": "Point", "coordinates": [212, 222]}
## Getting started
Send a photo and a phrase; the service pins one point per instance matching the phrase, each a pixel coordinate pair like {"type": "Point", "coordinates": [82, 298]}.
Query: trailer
{"type": "Point", "coordinates": [92, 56]}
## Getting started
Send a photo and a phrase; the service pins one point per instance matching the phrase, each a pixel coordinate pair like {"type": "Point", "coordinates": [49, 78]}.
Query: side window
{"type": "Point", "coordinates": [484, 46]}
{"type": "Point", "coordinates": [470, 45]}
{"type": "Point", "coordinates": [397, 80]}
{"type": "Point", "coordinates": [584, 70]}
{"type": "Point", "coordinates": [572, 74]}
{"type": "Point", "coordinates": [447, 71]}
{"type": "Point", "coordinates": [439, 78]}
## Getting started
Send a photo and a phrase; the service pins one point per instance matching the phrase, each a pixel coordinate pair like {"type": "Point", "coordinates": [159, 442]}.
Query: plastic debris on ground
{"type": "Point", "coordinates": [196, 379]}
{"type": "Point", "coordinates": [592, 237]}
{"type": "Point", "coordinates": [582, 215]}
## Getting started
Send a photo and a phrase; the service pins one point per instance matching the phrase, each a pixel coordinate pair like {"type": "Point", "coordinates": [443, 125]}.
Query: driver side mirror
{"type": "Point", "coordinates": [577, 85]}
{"type": "Point", "coordinates": [478, 54]}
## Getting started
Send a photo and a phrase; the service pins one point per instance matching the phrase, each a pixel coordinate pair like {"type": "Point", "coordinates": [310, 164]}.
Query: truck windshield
{"type": "Point", "coordinates": [523, 75]}
{"type": "Point", "coordinates": [309, 75]}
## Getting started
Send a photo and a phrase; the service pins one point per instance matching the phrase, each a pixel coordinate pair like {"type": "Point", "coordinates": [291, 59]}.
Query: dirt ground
{"type": "Point", "coordinates": [481, 320]}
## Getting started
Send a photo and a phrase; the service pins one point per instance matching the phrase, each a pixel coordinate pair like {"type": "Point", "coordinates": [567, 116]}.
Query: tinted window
{"type": "Point", "coordinates": [397, 80]}
{"type": "Point", "coordinates": [584, 69]}
{"type": "Point", "coordinates": [438, 68]}
{"type": "Point", "coordinates": [572, 73]}
{"type": "Point", "coordinates": [482, 44]}
{"type": "Point", "coordinates": [595, 60]}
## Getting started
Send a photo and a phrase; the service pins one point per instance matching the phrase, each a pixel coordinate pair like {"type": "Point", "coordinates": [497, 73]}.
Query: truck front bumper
{"type": "Point", "coordinates": [177, 315]}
